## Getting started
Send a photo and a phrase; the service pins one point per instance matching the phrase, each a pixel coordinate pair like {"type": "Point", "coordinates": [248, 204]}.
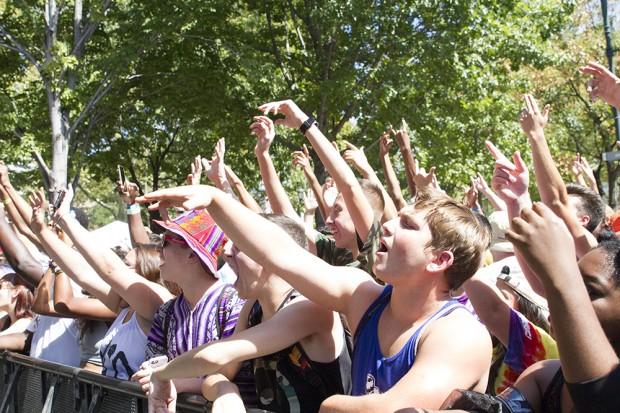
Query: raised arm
{"type": "Point", "coordinates": [67, 258]}
{"type": "Point", "coordinates": [144, 296]}
{"type": "Point", "coordinates": [16, 253]}
{"type": "Point", "coordinates": [301, 159]}
{"type": "Point", "coordinates": [511, 182]}
{"type": "Point", "coordinates": [357, 158]}
{"type": "Point", "coordinates": [584, 356]}
{"type": "Point", "coordinates": [411, 165]}
{"type": "Point", "coordinates": [548, 179]}
{"type": "Point", "coordinates": [13, 213]}
{"type": "Point", "coordinates": [137, 232]}
{"type": "Point", "coordinates": [215, 168]}
{"type": "Point", "coordinates": [263, 241]}
{"type": "Point", "coordinates": [70, 306]}
{"type": "Point", "coordinates": [357, 204]}
{"type": "Point", "coordinates": [604, 84]}
{"type": "Point", "coordinates": [244, 196]}
{"type": "Point", "coordinates": [265, 132]}
{"type": "Point", "coordinates": [482, 187]}
{"type": "Point", "coordinates": [393, 187]}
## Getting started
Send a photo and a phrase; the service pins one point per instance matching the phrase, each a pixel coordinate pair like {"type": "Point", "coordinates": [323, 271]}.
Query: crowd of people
{"type": "Point", "coordinates": [402, 303]}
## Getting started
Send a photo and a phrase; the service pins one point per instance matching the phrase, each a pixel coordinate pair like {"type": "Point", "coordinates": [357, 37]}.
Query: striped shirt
{"type": "Point", "coordinates": [177, 328]}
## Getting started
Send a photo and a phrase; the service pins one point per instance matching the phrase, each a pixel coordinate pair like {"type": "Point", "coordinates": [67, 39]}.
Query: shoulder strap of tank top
{"type": "Point", "coordinates": [383, 298]}
{"type": "Point", "coordinates": [446, 309]}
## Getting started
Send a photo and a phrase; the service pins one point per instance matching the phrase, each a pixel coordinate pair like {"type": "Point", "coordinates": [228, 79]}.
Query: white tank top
{"type": "Point", "coordinates": [123, 347]}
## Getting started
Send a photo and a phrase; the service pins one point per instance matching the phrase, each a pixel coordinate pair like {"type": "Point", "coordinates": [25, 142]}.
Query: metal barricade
{"type": "Point", "coordinates": [30, 385]}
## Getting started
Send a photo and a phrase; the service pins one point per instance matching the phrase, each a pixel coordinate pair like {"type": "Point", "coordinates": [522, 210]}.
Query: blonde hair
{"type": "Point", "coordinates": [456, 229]}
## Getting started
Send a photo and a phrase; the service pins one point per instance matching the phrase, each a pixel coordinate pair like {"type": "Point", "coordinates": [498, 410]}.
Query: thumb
{"type": "Point", "coordinates": [431, 171]}
{"type": "Point", "coordinates": [519, 161]}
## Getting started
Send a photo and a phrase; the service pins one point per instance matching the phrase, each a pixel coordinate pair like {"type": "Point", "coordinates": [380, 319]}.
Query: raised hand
{"type": "Point", "coordinates": [293, 116]}
{"type": "Point", "coordinates": [310, 202]}
{"type": "Point", "coordinates": [510, 180]}
{"type": "Point", "coordinates": [538, 231]}
{"type": "Point", "coordinates": [355, 156]}
{"type": "Point", "coordinates": [301, 159]}
{"type": "Point", "coordinates": [196, 166]}
{"type": "Point", "coordinates": [532, 120]}
{"type": "Point", "coordinates": [264, 131]}
{"type": "Point", "coordinates": [604, 84]}
{"type": "Point", "coordinates": [188, 197]}
{"type": "Point", "coordinates": [471, 196]}
{"type": "Point", "coordinates": [402, 139]}
{"type": "Point", "coordinates": [385, 142]}
{"type": "Point", "coordinates": [128, 192]}
{"type": "Point", "coordinates": [65, 205]}
{"type": "Point", "coordinates": [423, 179]}
{"type": "Point", "coordinates": [38, 202]}
{"type": "Point", "coordinates": [481, 184]}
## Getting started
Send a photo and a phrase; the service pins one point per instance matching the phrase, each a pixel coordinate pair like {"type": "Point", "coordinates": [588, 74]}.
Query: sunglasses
{"type": "Point", "coordinates": [168, 239]}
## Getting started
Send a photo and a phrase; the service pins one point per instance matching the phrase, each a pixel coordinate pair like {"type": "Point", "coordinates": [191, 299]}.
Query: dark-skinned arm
{"type": "Point", "coordinates": [16, 253]}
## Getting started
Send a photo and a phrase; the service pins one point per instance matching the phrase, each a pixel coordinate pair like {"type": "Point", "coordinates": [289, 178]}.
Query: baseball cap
{"type": "Point", "coordinates": [201, 234]}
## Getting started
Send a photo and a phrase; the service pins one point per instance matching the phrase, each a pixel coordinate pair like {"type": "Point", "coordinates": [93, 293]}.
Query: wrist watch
{"type": "Point", "coordinates": [307, 125]}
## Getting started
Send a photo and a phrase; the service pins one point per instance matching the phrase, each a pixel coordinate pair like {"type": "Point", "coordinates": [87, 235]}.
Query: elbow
{"type": "Point", "coordinates": [62, 307]}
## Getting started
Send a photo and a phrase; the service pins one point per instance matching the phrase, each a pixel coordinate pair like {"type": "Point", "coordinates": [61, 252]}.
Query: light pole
{"type": "Point", "coordinates": [609, 51]}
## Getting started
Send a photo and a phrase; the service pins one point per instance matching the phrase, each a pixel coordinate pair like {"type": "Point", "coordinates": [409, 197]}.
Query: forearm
{"type": "Point", "coordinates": [318, 192]}
{"type": "Point", "coordinates": [137, 231]}
{"type": "Point", "coordinates": [23, 208]}
{"type": "Point", "coordinates": [393, 187]}
{"type": "Point", "coordinates": [550, 184]}
{"type": "Point", "coordinates": [355, 404]}
{"type": "Point", "coordinates": [43, 303]}
{"type": "Point", "coordinates": [18, 255]}
{"type": "Point", "coordinates": [587, 355]}
{"type": "Point", "coordinates": [191, 364]}
{"type": "Point", "coordinates": [244, 196]}
{"type": "Point", "coordinates": [13, 342]}
{"type": "Point", "coordinates": [357, 204]}
{"type": "Point", "coordinates": [278, 198]}
{"type": "Point", "coordinates": [410, 169]}
{"type": "Point", "coordinates": [76, 267]}
{"type": "Point", "coordinates": [590, 182]}
{"type": "Point", "coordinates": [496, 202]}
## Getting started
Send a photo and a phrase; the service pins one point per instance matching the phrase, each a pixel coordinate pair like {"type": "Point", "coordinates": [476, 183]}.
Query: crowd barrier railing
{"type": "Point", "coordinates": [29, 385]}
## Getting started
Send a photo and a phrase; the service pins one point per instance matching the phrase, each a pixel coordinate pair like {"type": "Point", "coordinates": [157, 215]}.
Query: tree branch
{"type": "Point", "coordinates": [101, 91]}
{"type": "Point", "coordinates": [18, 47]}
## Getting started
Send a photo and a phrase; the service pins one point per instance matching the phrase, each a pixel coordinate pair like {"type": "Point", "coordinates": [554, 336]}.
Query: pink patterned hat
{"type": "Point", "coordinates": [201, 233]}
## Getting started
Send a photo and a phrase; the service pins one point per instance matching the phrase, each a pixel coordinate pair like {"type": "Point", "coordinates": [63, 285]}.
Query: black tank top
{"type": "Point", "coordinates": [289, 380]}
{"type": "Point", "coordinates": [552, 399]}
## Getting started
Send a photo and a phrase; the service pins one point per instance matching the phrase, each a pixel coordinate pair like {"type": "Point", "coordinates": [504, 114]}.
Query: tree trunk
{"type": "Point", "coordinates": [59, 142]}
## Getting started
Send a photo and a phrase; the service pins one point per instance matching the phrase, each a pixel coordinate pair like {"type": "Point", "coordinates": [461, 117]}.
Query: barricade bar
{"type": "Point", "coordinates": [27, 385]}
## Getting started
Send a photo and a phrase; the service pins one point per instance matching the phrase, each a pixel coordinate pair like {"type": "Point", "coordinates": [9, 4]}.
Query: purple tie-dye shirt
{"type": "Point", "coordinates": [177, 328]}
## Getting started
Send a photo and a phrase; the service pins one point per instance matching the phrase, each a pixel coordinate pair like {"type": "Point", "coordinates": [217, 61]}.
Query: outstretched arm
{"type": "Point", "coordinates": [70, 306]}
{"type": "Point", "coordinates": [584, 356]}
{"type": "Point", "coordinates": [411, 165]}
{"type": "Point", "coordinates": [393, 187]}
{"type": "Point", "coordinates": [244, 196]}
{"type": "Point", "coordinates": [264, 241]}
{"type": "Point", "coordinates": [13, 213]}
{"type": "Point", "coordinates": [144, 296]}
{"type": "Point", "coordinates": [18, 255]}
{"type": "Point", "coordinates": [357, 158]}
{"type": "Point", "coordinates": [265, 132]}
{"type": "Point", "coordinates": [137, 232]}
{"type": "Point", "coordinates": [357, 204]}
{"type": "Point", "coordinates": [548, 179]}
{"type": "Point", "coordinates": [302, 160]}
{"type": "Point", "coordinates": [300, 319]}
{"type": "Point", "coordinates": [43, 303]}
{"type": "Point", "coordinates": [511, 182]}
{"type": "Point", "coordinates": [67, 258]}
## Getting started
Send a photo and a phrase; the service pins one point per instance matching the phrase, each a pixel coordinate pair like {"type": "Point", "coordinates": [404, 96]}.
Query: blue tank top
{"type": "Point", "coordinates": [371, 371]}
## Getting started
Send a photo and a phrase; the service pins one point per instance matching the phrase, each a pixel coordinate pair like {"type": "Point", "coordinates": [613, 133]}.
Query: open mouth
{"type": "Point", "coordinates": [382, 247]}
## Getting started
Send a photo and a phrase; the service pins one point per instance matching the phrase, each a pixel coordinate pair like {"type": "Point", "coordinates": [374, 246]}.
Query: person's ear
{"type": "Point", "coordinates": [441, 261]}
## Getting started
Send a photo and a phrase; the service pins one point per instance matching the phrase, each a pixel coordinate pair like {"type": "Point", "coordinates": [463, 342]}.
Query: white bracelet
{"type": "Point", "coordinates": [133, 209]}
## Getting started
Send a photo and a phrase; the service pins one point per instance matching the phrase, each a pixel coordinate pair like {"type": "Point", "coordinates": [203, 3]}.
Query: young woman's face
{"type": "Point", "coordinates": [603, 291]}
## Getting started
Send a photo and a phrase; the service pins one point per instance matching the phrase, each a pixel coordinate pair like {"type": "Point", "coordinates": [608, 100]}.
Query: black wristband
{"type": "Point", "coordinates": [307, 125]}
